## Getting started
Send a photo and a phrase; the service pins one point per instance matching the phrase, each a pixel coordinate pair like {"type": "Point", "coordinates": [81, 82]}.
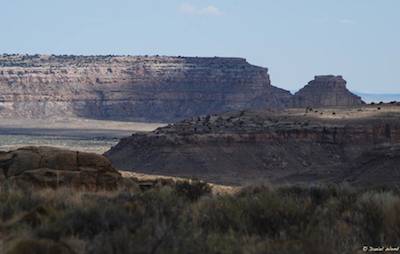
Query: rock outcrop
{"type": "Point", "coordinates": [155, 88]}
{"type": "Point", "coordinates": [325, 91]}
{"type": "Point", "coordinates": [53, 167]}
{"type": "Point", "coordinates": [295, 146]}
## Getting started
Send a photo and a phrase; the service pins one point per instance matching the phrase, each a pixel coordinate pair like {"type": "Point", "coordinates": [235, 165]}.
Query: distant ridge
{"type": "Point", "coordinates": [149, 88]}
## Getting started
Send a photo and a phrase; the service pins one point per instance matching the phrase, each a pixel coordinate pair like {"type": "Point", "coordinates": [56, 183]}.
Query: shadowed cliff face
{"type": "Point", "coordinates": [329, 145]}
{"type": "Point", "coordinates": [132, 88]}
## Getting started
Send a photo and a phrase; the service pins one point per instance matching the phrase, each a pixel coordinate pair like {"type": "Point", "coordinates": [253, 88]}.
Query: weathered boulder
{"type": "Point", "coordinates": [324, 91]}
{"type": "Point", "coordinates": [53, 167]}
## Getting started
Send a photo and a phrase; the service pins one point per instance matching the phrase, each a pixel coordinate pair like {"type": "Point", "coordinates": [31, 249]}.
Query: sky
{"type": "Point", "coordinates": [295, 39]}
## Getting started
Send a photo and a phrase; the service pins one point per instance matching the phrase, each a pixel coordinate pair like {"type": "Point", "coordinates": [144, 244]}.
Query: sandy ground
{"type": "Point", "coordinates": [72, 133]}
{"type": "Point", "coordinates": [77, 124]}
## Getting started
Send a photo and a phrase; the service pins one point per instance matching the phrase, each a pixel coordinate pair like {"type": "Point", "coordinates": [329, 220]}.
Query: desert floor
{"type": "Point", "coordinates": [72, 133]}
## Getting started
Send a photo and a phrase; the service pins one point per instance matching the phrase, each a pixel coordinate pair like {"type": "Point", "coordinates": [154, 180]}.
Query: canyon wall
{"type": "Point", "coordinates": [148, 88]}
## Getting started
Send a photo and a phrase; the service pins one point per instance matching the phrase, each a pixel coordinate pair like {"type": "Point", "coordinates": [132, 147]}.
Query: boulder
{"type": "Point", "coordinates": [54, 167]}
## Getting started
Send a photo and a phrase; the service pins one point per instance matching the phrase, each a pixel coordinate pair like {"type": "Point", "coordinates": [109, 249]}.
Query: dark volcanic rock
{"type": "Point", "coordinates": [325, 91]}
{"type": "Point", "coordinates": [53, 167]}
{"type": "Point", "coordinates": [292, 146]}
{"type": "Point", "coordinates": [132, 87]}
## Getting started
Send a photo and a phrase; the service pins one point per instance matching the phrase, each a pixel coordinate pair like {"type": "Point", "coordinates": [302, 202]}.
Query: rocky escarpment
{"type": "Point", "coordinates": [132, 88]}
{"type": "Point", "coordinates": [53, 167]}
{"type": "Point", "coordinates": [331, 145]}
{"type": "Point", "coordinates": [325, 91]}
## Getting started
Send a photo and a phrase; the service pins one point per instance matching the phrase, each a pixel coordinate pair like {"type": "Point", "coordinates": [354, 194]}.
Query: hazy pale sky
{"type": "Point", "coordinates": [295, 39]}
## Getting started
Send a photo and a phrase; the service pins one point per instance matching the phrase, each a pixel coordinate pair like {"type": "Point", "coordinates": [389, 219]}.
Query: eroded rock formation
{"type": "Point", "coordinates": [332, 145]}
{"type": "Point", "coordinates": [132, 88]}
{"type": "Point", "coordinates": [53, 167]}
{"type": "Point", "coordinates": [325, 91]}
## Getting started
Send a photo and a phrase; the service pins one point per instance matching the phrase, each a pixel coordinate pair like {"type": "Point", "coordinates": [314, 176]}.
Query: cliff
{"type": "Point", "coordinates": [156, 88]}
{"type": "Point", "coordinates": [329, 145]}
{"type": "Point", "coordinates": [325, 91]}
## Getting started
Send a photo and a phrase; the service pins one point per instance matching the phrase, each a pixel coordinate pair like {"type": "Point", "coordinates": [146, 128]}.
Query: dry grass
{"type": "Point", "coordinates": [217, 189]}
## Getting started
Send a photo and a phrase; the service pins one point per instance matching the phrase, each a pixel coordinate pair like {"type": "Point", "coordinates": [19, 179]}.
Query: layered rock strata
{"type": "Point", "coordinates": [325, 91]}
{"type": "Point", "coordinates": [281, 147]}
{"type": "Point", "coordinates": [155, 88]}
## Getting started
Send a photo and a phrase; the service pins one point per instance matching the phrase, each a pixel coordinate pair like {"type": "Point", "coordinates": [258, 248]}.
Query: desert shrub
{"type": "Point", "coordinates": [392, 224]}
{"type": "Point", "coordinates": [330, 229]}
{"type": "Point", "coordinates": [378, 218]}
{"type": "Point", "coordinates": [187, 218]}
{"type": "Point", "coordinates": [264, 213]}
{"type": "Point", "coordinates": [369, 217]}
{"type": "Point", "coordinates": [165, 224]}
{"type": "Point", "coordinates": [223, 243]}
{"type": "Point", "coordinates": [85, 223]}
{"type": "Point", "coordinates": [319, 195]}
{"type": "Point", "coordinates": [116, 242]}
{"type": "Point", "coordinates": [276, 215]}
{"type": "Point", "coordinates": [16, 201]}
{"type": "Point", "coordinates": [254, 189]}
{"type": "Point", "coordinates": [193, 190]}
{"type": "Point", "coordinates": [51, 231]}
{"type": "Point", "coordinates": [88, 222]}
{"type": "Point", "coordinates": [220, 215]}
{"type": "Point", "coordinates": [34, 246]}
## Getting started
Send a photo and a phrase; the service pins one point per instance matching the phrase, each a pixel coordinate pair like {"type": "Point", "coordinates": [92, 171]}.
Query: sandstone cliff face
{"type": "Point", "coordinates": [136, 88]}
{"type": "Point", "coordinates": [247, 147]}
{"type": "Point", "coordinates": [325, 91]}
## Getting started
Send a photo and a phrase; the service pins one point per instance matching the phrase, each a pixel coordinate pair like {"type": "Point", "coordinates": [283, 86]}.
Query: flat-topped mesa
{"type": "Point", "coordinates": [326, 90]}
{"type": "Point", "coordinates": [150, 88]}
